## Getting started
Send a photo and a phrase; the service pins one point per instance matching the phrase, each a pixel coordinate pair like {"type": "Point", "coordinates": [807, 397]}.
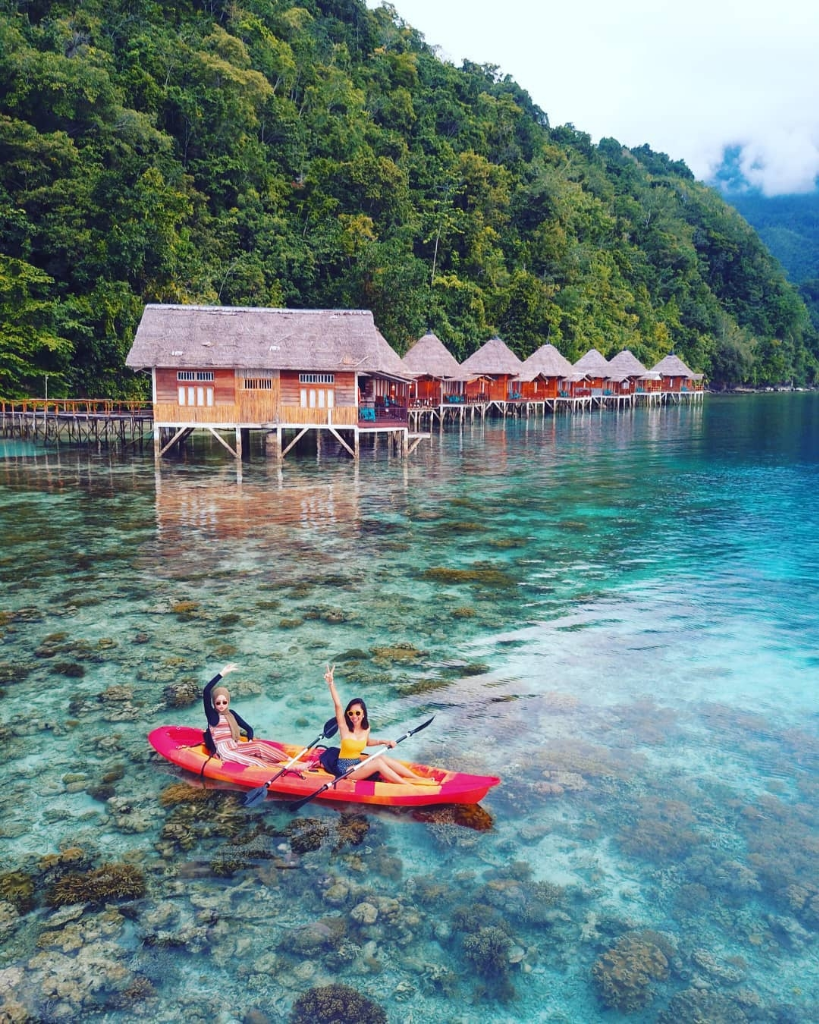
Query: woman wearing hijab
{"type": "Point", "coordinates": [223, 735]}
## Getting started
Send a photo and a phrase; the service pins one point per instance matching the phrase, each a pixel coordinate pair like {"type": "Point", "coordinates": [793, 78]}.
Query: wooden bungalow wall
{"type": "Point", "coordinates": [235, 404]}
{"type": "Point", "coordinates": [538, 390]}
{"type": "Point", "coordinates": [168, 409]}
{"type": "Point", "coordinates": [344, 411]}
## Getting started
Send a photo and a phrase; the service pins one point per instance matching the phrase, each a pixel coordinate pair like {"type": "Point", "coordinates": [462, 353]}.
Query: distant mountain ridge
{"type": "Point", "coordinates": [789, 227]}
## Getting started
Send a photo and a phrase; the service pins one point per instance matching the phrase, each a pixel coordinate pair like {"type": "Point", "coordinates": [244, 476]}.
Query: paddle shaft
{"type": "Point", "coordinates": [257, 794]}
{"type": "Point", "coordinates": [377, 753]}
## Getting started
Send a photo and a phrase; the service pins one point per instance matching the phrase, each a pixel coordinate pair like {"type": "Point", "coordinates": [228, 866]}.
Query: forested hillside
{"type": "Point", "coordinates": [316, 154]}
{"type": "Point", "coordinates": [789, 227]}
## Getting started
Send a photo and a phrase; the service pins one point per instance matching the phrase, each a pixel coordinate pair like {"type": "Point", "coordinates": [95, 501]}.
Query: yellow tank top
{"type": "Point", "coordinates": [351, 747]}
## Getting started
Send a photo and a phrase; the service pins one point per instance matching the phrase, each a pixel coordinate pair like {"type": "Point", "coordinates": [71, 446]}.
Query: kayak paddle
{"type": "Point", "coordinates": [256, 796]}
{"type": "Point", "coordinates": [328, 785]}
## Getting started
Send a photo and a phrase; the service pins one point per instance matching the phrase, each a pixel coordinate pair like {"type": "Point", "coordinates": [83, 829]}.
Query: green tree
{"type": "Point", "coordinates": [30, 344]}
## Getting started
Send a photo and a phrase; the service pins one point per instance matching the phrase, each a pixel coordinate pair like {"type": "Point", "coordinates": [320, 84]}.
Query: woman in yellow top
{"type": "Point", "coordinates": [354, 730]}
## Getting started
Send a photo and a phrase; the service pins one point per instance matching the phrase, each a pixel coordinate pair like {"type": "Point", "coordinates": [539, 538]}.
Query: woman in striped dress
{"type": "Point", "coordinates": [223, 735]}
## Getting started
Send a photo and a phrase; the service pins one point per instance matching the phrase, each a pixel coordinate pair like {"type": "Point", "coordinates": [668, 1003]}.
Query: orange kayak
{"type": "Point", "coordinates": [183, 746]}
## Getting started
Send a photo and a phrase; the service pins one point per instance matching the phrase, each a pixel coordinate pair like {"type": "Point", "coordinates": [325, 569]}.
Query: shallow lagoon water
{"type": "Point", "coordinates": [616, 613]}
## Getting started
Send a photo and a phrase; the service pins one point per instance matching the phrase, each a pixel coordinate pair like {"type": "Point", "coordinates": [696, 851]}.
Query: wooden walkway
{"type": "Point", "coordinates": [106, 422]}
{"type": "Point", "coordinates": [462, 412]}
{"type": "Point", "coordinates": [77, 421]}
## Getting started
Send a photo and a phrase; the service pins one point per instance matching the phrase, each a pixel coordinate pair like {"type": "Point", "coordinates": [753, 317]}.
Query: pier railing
{"type": "Point", "coordinates": [76, 406]}
{"type": "Point", "coordinates": [76, 420]}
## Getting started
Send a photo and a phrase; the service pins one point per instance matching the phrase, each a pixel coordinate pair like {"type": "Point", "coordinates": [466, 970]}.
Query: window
{"type": "Point", "coordinates": [195, 395]}
{"type": "Point", "coordinates": [258, 384]}
{"type": "Point", "coordinates": [194, 374]}
{"type": "Point", "coordinates": [317, 398]}
{"type": "Point", "coordinates": [317, 378]}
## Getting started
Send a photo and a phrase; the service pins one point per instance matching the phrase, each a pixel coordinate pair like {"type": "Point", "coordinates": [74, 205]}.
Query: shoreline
{"type": "Point", "coordinates": [761, 390]}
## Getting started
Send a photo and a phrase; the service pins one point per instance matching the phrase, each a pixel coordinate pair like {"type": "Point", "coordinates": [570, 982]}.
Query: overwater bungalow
{"type": "Point", "coordinates": [676, 380]}
{"type": "Point", "coordinates": [546, 377]}
{"type": "Point", "coordinates": [596, 370]}
{"type": "Point", "coordinates": [437, 373]}
{"type": "Point", "coordinates": [490, 375]}
{"type": "Point", "coordinates": [627, 376]}
{"type": "Point", "coordinates": [239, 369]}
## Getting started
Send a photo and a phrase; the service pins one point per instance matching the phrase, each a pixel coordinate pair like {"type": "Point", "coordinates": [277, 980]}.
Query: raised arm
{"type": "Point", "coordinates": [328, 678]}
{"type": "Point", "coordinates": [211, 713]}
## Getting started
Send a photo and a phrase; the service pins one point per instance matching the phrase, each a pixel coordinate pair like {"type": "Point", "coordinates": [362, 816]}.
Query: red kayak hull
{"type": "Point", "coordinates": [183, 746]}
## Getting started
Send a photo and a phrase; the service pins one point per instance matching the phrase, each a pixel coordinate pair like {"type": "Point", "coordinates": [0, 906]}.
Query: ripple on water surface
{"type": "Point", "coordinates": [617, 614]}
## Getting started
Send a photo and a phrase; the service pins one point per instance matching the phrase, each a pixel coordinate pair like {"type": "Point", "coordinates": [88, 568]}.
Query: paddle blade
{"type": "Point", "coordinates": [305, 800]}
{"type": "Point", "coordinates": [255, 796]}
{"type": "Point", "coordinates": [330, 728]}
{"type": "Point", "coordinates": [423, 725]}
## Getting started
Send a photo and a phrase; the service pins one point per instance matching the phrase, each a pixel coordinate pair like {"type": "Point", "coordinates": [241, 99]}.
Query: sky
{"type": "Point", "coordinates": [689, 78]}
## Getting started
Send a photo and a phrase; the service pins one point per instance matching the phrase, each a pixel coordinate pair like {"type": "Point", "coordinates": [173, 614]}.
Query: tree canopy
{"type": "Point", "coordinates": [318, 154]}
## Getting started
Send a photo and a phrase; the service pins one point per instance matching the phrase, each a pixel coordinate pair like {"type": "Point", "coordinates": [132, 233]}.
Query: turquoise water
{"type": "Point", "coordinates": [615, 613]}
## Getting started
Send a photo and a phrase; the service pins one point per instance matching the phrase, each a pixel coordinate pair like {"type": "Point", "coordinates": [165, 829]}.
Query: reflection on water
{"type": "Point", "coordinates": [614, 613]}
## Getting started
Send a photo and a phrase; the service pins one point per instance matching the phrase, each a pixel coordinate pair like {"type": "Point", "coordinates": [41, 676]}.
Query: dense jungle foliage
{"type": "Point", "coordinates": [315, 154]}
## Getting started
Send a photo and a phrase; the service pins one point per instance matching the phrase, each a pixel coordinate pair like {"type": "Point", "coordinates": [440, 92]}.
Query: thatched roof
{"type": "Point", "coordinates": [493, 359]}
{"type": "Point", "coordinates": [428, 357]}
{"type": "Point", "coordinates": [546, 362]}
{"type": "Point", "coordinates": [672, 366]}
{"type": "Point", "coordinates": [242, 337]}
{"type": "Point", "coordinates": [593, 363]}
{"type": "Point", "coordinates": [627, 364]}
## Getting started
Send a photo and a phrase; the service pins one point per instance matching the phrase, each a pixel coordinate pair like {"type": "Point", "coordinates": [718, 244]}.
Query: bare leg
{"type": "Point", "coordinates": [407, 773]}
{"type": "Point", "coordinates": [385, 766]}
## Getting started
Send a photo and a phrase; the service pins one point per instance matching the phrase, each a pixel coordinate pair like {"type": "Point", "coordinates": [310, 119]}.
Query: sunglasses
{"type": "Point", "coordinates": [220, 701]}
{"type": "Point", "coordinates": [356, 713]}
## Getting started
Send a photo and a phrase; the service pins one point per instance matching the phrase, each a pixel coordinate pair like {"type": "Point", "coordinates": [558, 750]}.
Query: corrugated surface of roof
{"type": "Point", "coordinates": [430, 357]}
{"type": "Point", "coordinates": [492, 358]}
{"type": "Point", "coordinates": [243, 337]}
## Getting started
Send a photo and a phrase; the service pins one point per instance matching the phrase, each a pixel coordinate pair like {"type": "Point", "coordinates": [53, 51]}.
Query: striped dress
{"type": "Point", "coordinates": [254, 752]}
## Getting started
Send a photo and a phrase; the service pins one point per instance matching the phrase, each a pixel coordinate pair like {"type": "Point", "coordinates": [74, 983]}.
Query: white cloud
{"type": "Point", "coordinates": [688, 79]}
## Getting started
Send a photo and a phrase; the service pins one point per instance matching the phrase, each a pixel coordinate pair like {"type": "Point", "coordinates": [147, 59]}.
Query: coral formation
{"type": "Point", "coordinates": [306, 834]}
{"type": "Point", "coordinates": [698, 1006]}
{"type": "Point", "coordinates": [187, 610]}
{"type": "Point", "coordinates": [663, 831]}
{"type": "Point", "coordinates": [401, 651]}
{"type": "Point", "coordinates": [182, 694]}
{"type": "Point", "coordinates": [352, 830]}
{"type": "Point", "coordinates": [70, 669]}
{"type": "Point", "coordinates": [488, 949]}
{"type": "Point", "coordinates": [184, 793]}
{"type": "Point", "coordinates": [109, 882]}
{"type": "Point", "coordinates": [17, 888]}
{"type": "Point", "coordinates": [623, 975]}
{"type": "Point", "coordinates": [13, 672]}
{"type": "Point", "coordinates": [116, 694]}
{"type": "Point", "coordinates": [481, 575]}
{"type": "Point", "coordinates": [336, 1004]}
{"type": "Point", "coordinates": [321, 935]}
{"type": "Point", "coordinates": [468, 918]}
